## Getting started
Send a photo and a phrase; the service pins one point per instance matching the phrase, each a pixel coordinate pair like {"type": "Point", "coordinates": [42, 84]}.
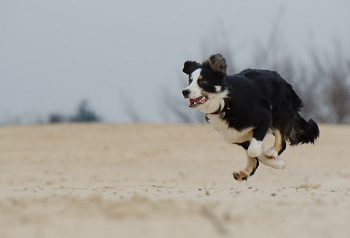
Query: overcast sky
{"type": "Point", "coordinates": [54, 54]}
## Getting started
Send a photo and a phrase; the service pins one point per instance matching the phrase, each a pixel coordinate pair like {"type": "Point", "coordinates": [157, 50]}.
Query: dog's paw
{"type": "Point", "coordinates": [278, 163]}
{"type": "Point", "coordinates": [240, 176]}
{"type": "Point", "coordinates": [254, 153]}
{"type": "Point", "coordinates": [275, 163]}
{"type": "Point", "coordinates": [255, 148]}
{"type": "Point", "coordinates": [282, 164]}
{"type": "Point", "coordinates": [271, 153]}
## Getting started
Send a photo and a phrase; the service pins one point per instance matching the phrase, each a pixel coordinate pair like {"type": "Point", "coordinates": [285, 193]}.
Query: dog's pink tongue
{"type": "Point", "coordinates": [195, 100]}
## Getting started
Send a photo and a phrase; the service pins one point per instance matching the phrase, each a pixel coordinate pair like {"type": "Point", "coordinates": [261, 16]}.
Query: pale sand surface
{"type": "Point", "coordinates": [148, 180]}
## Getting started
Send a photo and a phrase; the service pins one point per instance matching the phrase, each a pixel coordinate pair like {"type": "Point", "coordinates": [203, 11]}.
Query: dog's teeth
{"type": "Point", "coordinates": [202, 100]}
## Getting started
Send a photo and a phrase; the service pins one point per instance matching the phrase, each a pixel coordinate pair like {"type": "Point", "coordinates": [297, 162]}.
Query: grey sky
{"type": "Point", "coordinates": [53, 54]}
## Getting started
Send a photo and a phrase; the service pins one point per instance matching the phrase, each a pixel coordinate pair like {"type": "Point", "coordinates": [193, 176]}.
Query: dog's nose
{"type": "Point", "coordinates": [186, 92]}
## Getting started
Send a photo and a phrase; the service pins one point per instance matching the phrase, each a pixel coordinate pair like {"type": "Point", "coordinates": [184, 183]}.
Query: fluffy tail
{"type": "Point", "coordinates": [303, 131]}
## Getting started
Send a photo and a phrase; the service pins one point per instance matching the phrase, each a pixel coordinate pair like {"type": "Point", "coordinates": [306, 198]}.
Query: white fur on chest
{"type": "Point", "coordinates": [230, 135]}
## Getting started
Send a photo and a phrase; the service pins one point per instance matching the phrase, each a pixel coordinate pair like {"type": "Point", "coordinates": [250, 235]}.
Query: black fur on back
{"type": "Point", "coordinates": [257, 97]}
{"type": "Point", "coordinates": [248, 106]}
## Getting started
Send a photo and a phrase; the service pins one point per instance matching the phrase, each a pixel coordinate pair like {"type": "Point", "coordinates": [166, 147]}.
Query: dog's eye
{"type": "Point", "coordinates": [203, 81]}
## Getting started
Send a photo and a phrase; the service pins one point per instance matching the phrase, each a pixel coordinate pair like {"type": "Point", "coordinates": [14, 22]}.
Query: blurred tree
{"type": "Point", "coordinates": [85, 114]}
{"type": "Point", "coordinates": [331, 72]}
{"type": "Point", "coordinates": [57, 118]}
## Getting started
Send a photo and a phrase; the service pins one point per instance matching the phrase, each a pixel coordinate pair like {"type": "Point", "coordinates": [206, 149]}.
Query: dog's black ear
{"type": "Point", "coordinates": [217, 63]}
{"type": "Point", "coordinates": [190, 66]}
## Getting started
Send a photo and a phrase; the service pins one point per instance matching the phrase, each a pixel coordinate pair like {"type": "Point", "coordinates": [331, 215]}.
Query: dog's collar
{"type": "Point", "coordinates": [223, 110]}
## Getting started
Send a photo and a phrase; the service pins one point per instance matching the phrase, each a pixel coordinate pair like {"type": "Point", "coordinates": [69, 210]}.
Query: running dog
{"type": "Point", "coordinates": [247, 106]}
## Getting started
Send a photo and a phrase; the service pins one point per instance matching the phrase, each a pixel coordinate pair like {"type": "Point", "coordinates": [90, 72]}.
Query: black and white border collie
{"type": "Point", "coordinates": [244, 107]}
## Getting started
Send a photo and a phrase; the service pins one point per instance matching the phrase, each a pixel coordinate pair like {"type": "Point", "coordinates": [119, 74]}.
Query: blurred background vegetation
{"type": "Point", "coordinates": [83, 113]}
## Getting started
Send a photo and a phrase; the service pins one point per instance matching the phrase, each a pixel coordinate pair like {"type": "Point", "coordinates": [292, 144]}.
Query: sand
{"type": "Point", "coordinates": [150, 180]}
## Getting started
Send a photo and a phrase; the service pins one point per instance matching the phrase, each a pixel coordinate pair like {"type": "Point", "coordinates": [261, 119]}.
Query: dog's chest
{"type": "Point", "coordinates": [230, 135]}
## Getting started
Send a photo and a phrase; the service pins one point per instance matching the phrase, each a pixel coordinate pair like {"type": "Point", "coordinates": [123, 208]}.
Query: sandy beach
{"type": "Point", "coordinates": [157, 180]}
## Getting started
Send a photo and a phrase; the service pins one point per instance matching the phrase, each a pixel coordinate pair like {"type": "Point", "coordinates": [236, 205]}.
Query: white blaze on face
{"type": "Point", "coordinates": [218, 88]}
{"type": "Point", "coordinates": [194, 87]}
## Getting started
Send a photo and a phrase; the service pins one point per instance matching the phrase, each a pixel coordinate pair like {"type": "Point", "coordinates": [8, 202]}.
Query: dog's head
{"type": "Point", "coordinates": [205, 89]}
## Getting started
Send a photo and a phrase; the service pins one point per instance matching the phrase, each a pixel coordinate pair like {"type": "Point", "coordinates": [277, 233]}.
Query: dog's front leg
{"type": "Point", "coordinates": [252, 165]}
{"type": "Point", "coordinates": [256, 146]}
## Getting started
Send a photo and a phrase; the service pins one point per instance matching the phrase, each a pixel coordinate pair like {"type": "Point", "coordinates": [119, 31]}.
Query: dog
{"type": "Point", "coordinates": [245, 107]}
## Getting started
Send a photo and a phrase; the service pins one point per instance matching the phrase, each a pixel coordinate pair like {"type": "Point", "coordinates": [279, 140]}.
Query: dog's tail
{"type": "Point", "coordinates": [303, 131]}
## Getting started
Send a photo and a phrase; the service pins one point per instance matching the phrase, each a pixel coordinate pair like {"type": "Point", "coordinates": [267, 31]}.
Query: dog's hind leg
{"type": "Point", "coordinates": [252, 165]}
{"type": "Point", "coordinates": [278, 147]}
{"type": "Point", "coordinates": [275, 163]}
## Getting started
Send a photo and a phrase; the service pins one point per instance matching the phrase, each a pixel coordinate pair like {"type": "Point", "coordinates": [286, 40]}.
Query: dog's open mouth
{"type": "Point", "coordinates": [197, 101]}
